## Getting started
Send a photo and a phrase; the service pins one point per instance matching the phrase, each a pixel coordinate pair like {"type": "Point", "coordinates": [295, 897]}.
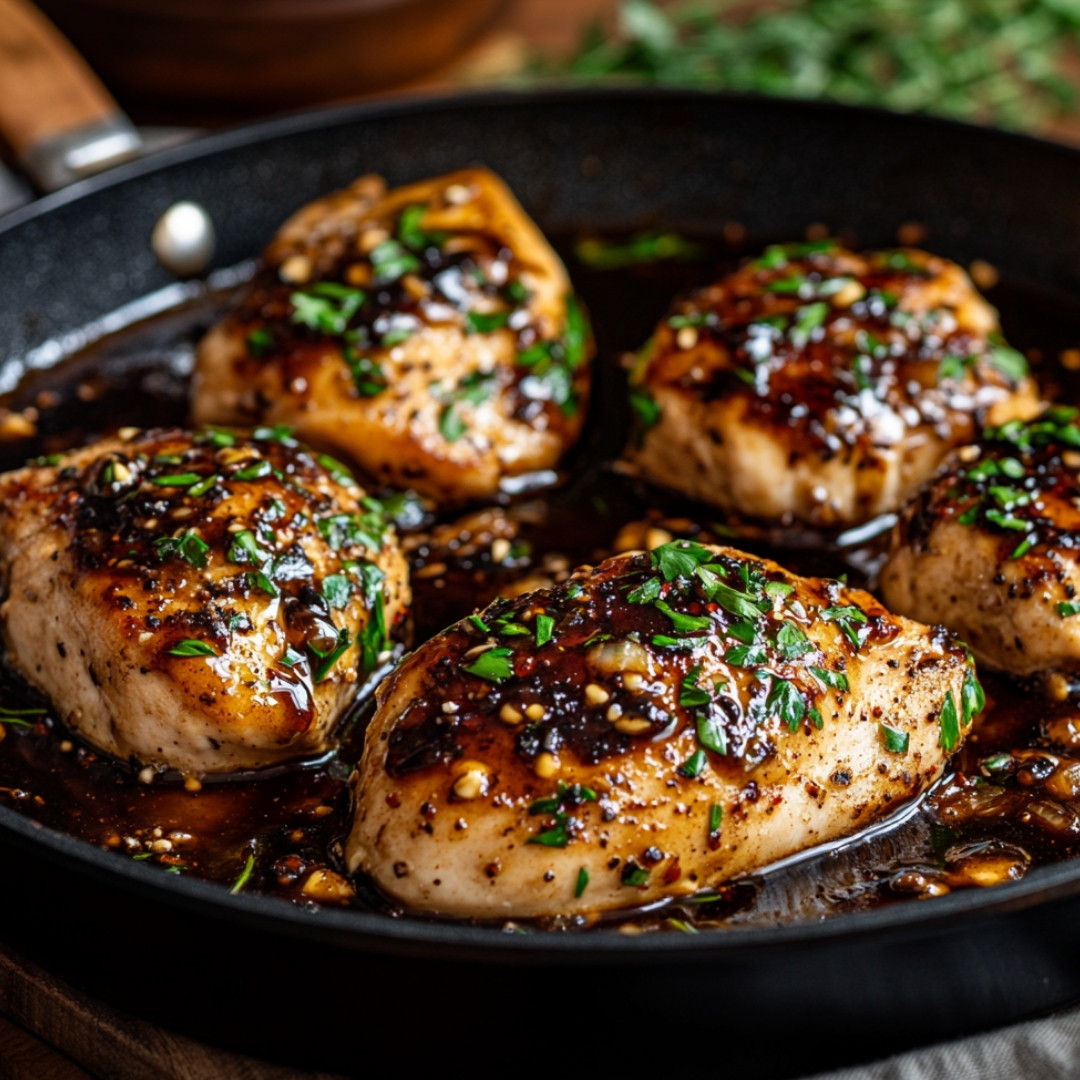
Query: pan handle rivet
{"type": "Point", "coordinates": [183, 239]}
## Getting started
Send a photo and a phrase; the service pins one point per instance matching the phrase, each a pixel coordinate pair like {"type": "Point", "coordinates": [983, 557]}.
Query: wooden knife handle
{"type": "Point", "coordinates": [46, 88]}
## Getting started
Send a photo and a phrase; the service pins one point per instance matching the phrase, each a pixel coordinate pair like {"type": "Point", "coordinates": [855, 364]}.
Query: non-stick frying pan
{"type": "Point", "coordinates": [332, 988]}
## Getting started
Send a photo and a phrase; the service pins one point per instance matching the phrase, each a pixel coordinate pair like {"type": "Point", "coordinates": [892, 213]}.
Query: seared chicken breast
{"type": "Point", "coordinates": [429, 334]}
{"type": "Point", "coordinates": [992, 548]}
{"type": "Point", "coordinates": [822, 386]}
{"type": "Point", "coordinates": [655, 725]}
{"type": "Point", "coordinates": [207, 602]}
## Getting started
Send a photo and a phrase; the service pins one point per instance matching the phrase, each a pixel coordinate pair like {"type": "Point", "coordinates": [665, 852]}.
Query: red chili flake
{"type": "Point", "coordinates": [392, 800]}
{"type": "Point", "coordinates": [673, 872]}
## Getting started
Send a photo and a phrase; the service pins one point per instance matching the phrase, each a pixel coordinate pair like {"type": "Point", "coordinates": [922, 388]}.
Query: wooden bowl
{"type": "Point", "coordinates": [215, 60]}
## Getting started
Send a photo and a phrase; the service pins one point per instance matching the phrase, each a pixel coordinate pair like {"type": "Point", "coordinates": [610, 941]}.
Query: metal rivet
{"type": "Point", "coordinates": [183, 239]}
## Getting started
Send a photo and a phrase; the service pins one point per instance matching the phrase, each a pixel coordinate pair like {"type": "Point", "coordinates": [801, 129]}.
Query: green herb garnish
{"type": "Point", "coordinates": [177, 480]}
{"type": "Point", "coordinates": [557, 835]}
{"type": "Point", "coordinates": [582, 883]}
{"type": "Point", "coordinates": [327, 661]}
{"type": "Point", "coordinates": [189, 546]}
{"type": "Point", "coordinates": [245, 875]}
{"type": "Point", "coordinates": [193, 647]}
{"type": "Point", "coordinates": [643, 248]}
{"type": "Point", "coordinates": [896, 741]}
{"type": "Point", "coordinates": [950, 723]}
{"type": "Point", "coordinates": [545, 624]}
{"type": "Point", "coordinates": [494, 665]}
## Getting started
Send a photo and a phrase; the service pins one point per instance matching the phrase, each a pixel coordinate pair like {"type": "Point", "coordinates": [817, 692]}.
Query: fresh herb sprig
{"type": "Point", "coordinates": [994, 61]}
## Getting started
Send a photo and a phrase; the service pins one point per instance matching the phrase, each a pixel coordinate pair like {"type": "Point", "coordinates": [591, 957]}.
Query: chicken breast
{"type": "Point", "coordinates": [428, 334]}
{"type": "Point", "coordinates": [658, 724]}
{"type": "Point", "coordinates": [992, 548]}
{"type": "Point", "coordinates": [205, 602]}
{"type": "Point", "coordinates": [822, 386]}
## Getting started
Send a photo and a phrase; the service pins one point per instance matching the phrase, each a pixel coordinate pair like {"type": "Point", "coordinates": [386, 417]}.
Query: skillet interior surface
{"type": "Point", "coordinates": [854, 987]}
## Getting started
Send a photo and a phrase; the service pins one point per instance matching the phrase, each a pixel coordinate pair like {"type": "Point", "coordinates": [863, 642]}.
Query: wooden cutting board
{"type": "Point", "coordinates": [51, 1031]}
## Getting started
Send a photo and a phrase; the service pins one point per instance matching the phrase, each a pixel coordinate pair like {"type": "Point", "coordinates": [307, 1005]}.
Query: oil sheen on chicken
{"type": "Point", "coordinates": [653, 726]}
{"type": "Point", "coordinates": [205, 602]}
{"type": "Point", "coordinates": [428, 334]}
{"type": "Point", "coordinates": [990, 549]}
{"type": "Point", "coordinates": [822, 386]}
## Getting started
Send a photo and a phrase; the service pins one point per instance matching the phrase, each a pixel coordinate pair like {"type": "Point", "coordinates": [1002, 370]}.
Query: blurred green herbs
{"type": "Point", "coordinates": [991, 60]}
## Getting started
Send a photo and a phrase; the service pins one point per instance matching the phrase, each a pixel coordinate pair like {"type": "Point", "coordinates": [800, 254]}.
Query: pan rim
{"type": "Point", "coordinates": [377, 932]}
{"type": "Point", "coordinates": [304, 121]}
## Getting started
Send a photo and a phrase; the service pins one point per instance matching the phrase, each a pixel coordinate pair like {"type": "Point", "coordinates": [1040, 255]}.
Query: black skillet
{"type": "Point", "coordinates": [333, 988]}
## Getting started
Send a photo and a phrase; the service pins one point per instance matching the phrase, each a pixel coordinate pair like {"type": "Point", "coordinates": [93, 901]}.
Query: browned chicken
{"type": "Point", "coordinates": [990, 549]}
{"type": "Point", "coordinates": [822, 386]}
{"type": "Point", "coordinates": [206, 602]}
{"type": "Point", "coordinates": [655, 725]}
{"type": "Point", "coordinates": [428, 334]}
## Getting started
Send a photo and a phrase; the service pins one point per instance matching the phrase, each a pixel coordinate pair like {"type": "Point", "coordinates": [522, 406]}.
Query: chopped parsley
{"type": "Point", "coordinates": [478, 322]}
{"type": "Point", "coordinates": [950, 723]}
{"type": "Point", "coordinates": [896, 741]}
{"type": "Point", "coordinates": [786, 701]}
{"type": "Point", "coordinates": [339, 473]}
{"type": "Point", "coordinates": [835, 680]}
{"type": "Point", "coordinates": [494, 665]}
{"type": "Point", "coordinates": [645, 408]}
{"type": "Point", "coordinates": [391, 260]}
{"type": "Point", "coordinates": [1012, 364]}
{"type": "Point", "coordinates": [810, 319]}
{"type": "Point", "coordinates": [189, 546]}
{"type": "Point", "coordinates": [684, 623]}
{"type": "Point", "coordinates": [645, 593]}
{"type": "Point", "coordinates": [692, 696]}
{"type": "Point", "coordinates": [337, 590]}
{"type": "Point", "coordinates": [368, 377]}
{"type": "Point", "coordinates": [193, 647]}
{"type": "Point", "coordinates": [557, 835]}
{"type": "Point", "coordinates": [710, 732]}
{"type": "Point", "coordinates": [326, 307]}
{"type": "Point", "coordinates": [257, 470]}
{"type": "Point", "coordinates": [582, 883]}
{"type": "Point", "coordinates": [328, 660]}
{"type": "Point", "coordinates": [177, 480]}
{"type": "Point", "coordinates": [545, 624]}
{"type": "Point", "coordinates": [848, 619]}
{"type": "Point", "coordinates": [635, 876]}
{"type": "Point", "coordinates": [259, 342]}
{"type": "Point", "coordinates": [693, 766]}
{"type": "Point", "coordinates": [475, 388]}
{"type": "Point", "coordinates": [972, 695]}
{"type": "Point", "coordinates": [679, 558]}
{"type": "Point", "coordinates": [663, 641]}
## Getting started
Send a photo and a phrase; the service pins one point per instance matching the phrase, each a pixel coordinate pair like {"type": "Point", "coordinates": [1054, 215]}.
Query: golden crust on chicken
{"type": "Point", "coordinates": [822, 386]}
{"type": "Point", "coordinates": [658, 724]}
{"type": "Point", "coordinates": [428, 334]}
{"type": "Point", "coordinates": [207, 602]}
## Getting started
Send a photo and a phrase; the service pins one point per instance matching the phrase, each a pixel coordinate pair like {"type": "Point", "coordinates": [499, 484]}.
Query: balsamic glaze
{"type": "Point", "coordinates": [290, 819]}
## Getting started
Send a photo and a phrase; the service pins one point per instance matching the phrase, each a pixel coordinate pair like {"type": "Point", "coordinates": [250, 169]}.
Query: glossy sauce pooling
{"type": "Point", "coordinates": [1008, 809]}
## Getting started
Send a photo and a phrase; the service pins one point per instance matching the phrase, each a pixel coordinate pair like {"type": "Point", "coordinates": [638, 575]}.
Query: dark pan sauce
{"type": "Point", "coordinates": [1009, 805]}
